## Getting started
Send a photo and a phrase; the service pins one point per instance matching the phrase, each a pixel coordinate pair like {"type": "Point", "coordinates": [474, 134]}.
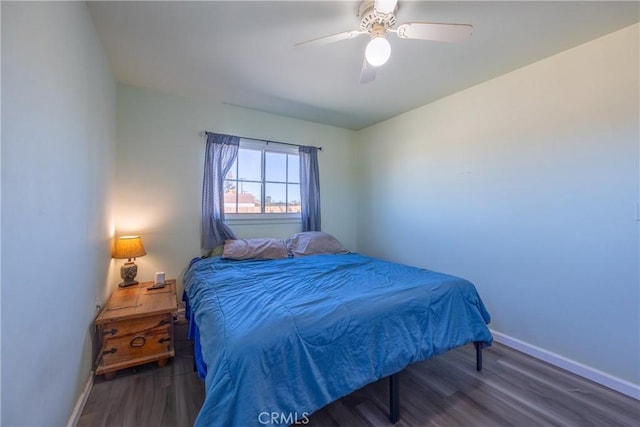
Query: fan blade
{"type": "Point", "coordinates": [385, 6]}
{"type": "Point", "coordinates": [434, 31]}
{"type": "Point", "coordinates": [368, 73]}
{"type": "Point", "coordinates": [331, 39]}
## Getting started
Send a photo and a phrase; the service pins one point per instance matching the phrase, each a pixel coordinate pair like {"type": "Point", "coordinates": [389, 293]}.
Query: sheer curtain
{"type": "Point", "coordinates": [221, 151]}
{"type": "Point", "coordinates": [309, 188]}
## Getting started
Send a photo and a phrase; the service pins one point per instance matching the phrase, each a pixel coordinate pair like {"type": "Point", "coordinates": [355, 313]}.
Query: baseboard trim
{"type": "Point", "coordinates": [602, 378]}
{"type": "Point", "coordinates": [82, 400]}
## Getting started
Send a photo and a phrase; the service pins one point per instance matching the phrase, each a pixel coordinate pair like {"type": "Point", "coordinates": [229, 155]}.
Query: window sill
{"type": "Point", "coordinates": [261, 219]}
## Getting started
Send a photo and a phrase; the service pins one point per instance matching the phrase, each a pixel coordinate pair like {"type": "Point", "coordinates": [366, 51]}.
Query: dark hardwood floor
{"type": "Point", "coordinates": [512, 390]}
{"type": "Point", "coordinates": [148, 395]}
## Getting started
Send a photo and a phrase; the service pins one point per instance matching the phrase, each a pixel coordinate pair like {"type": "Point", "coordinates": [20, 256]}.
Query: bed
{"type": "Point", "coordinates": [278, 339]}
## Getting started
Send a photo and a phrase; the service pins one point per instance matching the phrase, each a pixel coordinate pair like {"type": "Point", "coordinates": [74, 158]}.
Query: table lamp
{"type": "Point", "coordinates": [129, 247]}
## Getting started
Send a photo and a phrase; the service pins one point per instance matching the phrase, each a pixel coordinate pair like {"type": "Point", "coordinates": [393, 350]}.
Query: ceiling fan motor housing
{"type": "Point", "coordinates": [369, 17]}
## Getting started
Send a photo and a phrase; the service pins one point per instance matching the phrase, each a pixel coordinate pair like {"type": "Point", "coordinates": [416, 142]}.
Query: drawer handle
{"type": "Point", "coordinates": [164, 340]}
{"type": "Point", "coordinates": [164, 322]}
{"type": "Point", "coordinates": [111, 332]}
{"type": "Point", "coordinates": [138, 341]}
{"type": "Point", "coordinates": [113, 350]}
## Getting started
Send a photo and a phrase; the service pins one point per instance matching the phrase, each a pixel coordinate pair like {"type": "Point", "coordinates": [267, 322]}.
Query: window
{"type": "Point", "coordinates": [264, 179]}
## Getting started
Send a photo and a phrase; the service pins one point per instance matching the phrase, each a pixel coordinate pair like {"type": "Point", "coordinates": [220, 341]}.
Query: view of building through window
{"type": "Point", "coordinates": [263, 181]}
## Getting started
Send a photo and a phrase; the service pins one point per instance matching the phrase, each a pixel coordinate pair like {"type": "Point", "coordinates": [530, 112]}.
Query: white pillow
{"type": "Point", "coordinates": [265, 248]}
{"type": "Point", "coordinates": [314, 242]}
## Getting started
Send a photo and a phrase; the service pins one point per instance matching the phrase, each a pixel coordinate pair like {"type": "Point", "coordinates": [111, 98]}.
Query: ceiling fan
{"type": "Point", "coordinates": [377, 18]}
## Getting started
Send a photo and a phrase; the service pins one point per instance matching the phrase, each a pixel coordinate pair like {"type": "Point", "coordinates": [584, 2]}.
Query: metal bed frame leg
{"type": "Point", "coordinates": [478, 346]}
{"type": "Point", "coordinates": [394, 398]}
{"type": "Point", "coordinates": [394, 386]}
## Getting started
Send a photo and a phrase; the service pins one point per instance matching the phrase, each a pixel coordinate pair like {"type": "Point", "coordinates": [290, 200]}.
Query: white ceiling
{"type": "Point", "coordinates": [241, 52]}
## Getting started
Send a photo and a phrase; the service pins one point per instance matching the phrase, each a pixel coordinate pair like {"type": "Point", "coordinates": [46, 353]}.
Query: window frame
{"type": "Point", "coordinates": [265, 217]}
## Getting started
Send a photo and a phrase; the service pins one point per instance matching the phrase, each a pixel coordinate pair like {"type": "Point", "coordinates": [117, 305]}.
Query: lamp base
{"type": "Point", "coordinates": [128, 273]}
{"type": "Point", "coordinates": [125, 284]}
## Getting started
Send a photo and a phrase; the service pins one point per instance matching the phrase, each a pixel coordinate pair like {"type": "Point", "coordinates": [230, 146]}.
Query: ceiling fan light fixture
{"type": "Point", "coordinates": [378, 51]}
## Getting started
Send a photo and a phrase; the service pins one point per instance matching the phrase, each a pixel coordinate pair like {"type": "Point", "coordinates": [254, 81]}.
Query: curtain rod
{"type": "Point", "coordinates": [206, 132]}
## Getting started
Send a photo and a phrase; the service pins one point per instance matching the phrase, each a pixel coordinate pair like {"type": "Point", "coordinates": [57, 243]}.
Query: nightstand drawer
{"type": "Point", "coordinates": [145, 343]}
{"type": "Point", "coordinates": [118, 329]}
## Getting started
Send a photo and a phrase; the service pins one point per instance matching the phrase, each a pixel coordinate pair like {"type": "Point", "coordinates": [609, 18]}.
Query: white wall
{"type": "Point", "coordinates": [160, 160]}
{"type": "Point", "coordinates": [527, 185]}
{"type": "Point", "coordinates": [58, 155]}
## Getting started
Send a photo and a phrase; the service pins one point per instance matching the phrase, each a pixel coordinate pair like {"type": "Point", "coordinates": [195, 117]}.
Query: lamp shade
{"type": "Point", "coordinates": [128, 247]}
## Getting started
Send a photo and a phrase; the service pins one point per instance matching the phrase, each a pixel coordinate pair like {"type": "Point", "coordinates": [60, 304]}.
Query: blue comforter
{"type": "Point", "coordinates": [289, 336]}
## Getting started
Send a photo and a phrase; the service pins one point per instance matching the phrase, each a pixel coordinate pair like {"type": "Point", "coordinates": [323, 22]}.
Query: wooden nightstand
{"type": "Point", "coordinates": [136, 327]}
